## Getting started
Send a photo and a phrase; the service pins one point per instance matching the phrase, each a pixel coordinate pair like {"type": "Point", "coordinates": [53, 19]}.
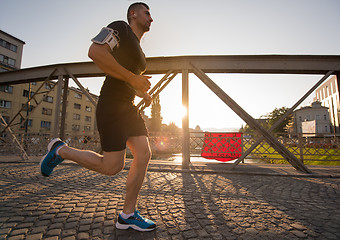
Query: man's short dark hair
{"type": "Point", "coordinates": [135, 7]}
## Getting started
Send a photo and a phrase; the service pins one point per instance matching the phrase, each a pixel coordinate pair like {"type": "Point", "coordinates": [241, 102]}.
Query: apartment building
{"type": "Point", "coordinates": [311, 120]}
{"type": "Point", "coordinates": [11, 49]}
{"type": "Point", "coordinates": [328, 95]}
{"type": "Point", "coordinates": [80, 113]}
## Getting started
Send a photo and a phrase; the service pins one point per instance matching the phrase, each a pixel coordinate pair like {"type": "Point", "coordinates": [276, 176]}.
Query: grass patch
{"type": "Point", "coordinates": [311, 155]}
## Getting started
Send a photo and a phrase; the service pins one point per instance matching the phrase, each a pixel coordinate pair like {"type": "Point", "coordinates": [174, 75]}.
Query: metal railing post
{"type": "Point", "coordinates": [63, 109]}
{"type": "Point", "coordinates": [185, 120]}
{"type": "Point", "coordinates": [57, 106]}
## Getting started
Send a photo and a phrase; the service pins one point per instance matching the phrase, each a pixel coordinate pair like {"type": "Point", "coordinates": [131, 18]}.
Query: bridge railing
{"type": "Point", "coordinates": [309, 149]}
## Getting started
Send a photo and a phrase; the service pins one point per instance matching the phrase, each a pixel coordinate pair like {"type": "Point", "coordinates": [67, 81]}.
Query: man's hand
{"type": "Point", "coordinates": [140, 83]}
{"type": "Point", "coordinates": [102, 57]}
{"type": "Point", "coordinates": [147, 98]}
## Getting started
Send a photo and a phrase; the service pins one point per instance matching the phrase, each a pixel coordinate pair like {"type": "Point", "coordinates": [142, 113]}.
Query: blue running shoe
{"type": "Point", "coordinates": [51, 159]}
{"type": "Point", "coordinates": [136, 222]}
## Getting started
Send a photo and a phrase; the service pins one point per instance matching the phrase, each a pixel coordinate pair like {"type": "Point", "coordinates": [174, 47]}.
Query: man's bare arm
{"type": "Point", "coordinates": [101, 56]}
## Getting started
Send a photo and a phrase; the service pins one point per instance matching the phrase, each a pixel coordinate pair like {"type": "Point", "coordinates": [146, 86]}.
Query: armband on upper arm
{"type": "Point", "coordinates": [107, 35]}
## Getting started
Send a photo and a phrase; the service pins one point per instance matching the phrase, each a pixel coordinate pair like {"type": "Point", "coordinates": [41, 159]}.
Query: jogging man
{"type": "Point", "coordinates": [116, 50]}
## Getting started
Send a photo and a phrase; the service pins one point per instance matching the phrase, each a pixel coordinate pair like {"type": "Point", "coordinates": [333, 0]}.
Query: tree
{"type": "Point", "coordinates": [171, 128]}
{"type": "Point", "coordinates": [268, 120]}
{"type": "Point", "coordinates": [275, 115]}
{"type": "Point", "coordinates": [156, 118]}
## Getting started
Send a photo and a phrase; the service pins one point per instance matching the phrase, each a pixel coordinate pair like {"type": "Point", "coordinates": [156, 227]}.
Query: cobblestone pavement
{"type": "Point", "coordinates": [75, 203]}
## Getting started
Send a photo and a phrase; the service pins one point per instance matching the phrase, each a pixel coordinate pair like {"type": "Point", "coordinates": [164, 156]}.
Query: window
{"type": "Point", "coordinates": [11, 62]}
{"type": "Point", "coordinates": [7, 60]}
{"type": "Point", "coordinates": [326, 129]}
{"type": "Point", "coordinates": [87, 118]}
{"type": "Point", "coordinates": [13, 48]}
{"type": "Point", "coordinates": [87, 128]}
{"type": "Point", "coordinates": [78, 95]}
{"type": "Point", "coordinates": [45, 124]}
{"type": "Point", "coordinates": [46, 111]}
{"type": "Point", "coordinates": [88, 109]}
{"type": "Point", "coordinates": [8, 45]}
{"type": "Point", "coordinates": [5, 104]}
{"type": "Point", "coordinates": [48, 99]}
{"type": "Point", "coordinates": [24, 107]}
{"type": "Point", "coordinates": [23, 123]}
{"type": "Point", "coordinates": [325, 116]}
{"type": "Point", "coordinates": [48, 86]}
{"type": "Point", "coordinates": [308, 117]}
{"type": "Point", "coordinates": [77, 106]}
{"type": "Point", "coordinates": [76, 116]}
{"type": "Point", "coordinates": [300, 118]}
{"type": "Point", "coordinates": [6, 118]}
{"type": "Point", "coordinates": [6, 88]}
{"type": "Point", "coordinates": [75, 127]}
{"type": "Point", "coordinates": [26, 92]}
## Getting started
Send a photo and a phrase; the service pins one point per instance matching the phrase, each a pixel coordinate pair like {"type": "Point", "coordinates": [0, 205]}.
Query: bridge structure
{"type": "Point", "coordinates": [184, 65]}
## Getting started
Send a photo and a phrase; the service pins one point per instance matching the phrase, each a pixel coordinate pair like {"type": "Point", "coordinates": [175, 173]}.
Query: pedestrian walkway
{"type": "Point", "coordinates": [209, 201]}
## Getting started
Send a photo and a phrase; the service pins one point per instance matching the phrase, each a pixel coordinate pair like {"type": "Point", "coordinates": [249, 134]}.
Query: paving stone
{"type": "Point", "coordinates": [36, 236]}
{"type": "Point", "coordinates": [17, 237]}
{"type": "Point", "coordinates": [71, 225]}
{"type": "Point", "coordinates": [39, 229]}
{"type": "Point", "coordinates": [251, 231]}
{"type": "Point", "coordinates": [51, 238]}
{"type": "Point", "coordinates": [55, 225]}
{"type": "Point", "coordinates": [54, 232]}
{"type": "Point", "coordinates": [97, 232]}
{"type": "Point", "coordinates": [298, 226]}
{"type": "Point", "coordinates": [69, 238]}
{"type": "Point", "coordinates": [20, 231]}
{"type": "Point", "coordinates": [5, 230]}
{"type": "Point", "coordinates": [189, 234]}
{"type": "Point", "coordinates": [83, 235]}
{"type": "Point", "coordinates": [202, 233]}
{"type": "Point", "coordinates": [299, 234]}
{"type": "Point", "coordinates": [68, 232]}
{"type": "Point", "coordinates": [109, 229]}
{"type": "Point", "coordinates": [84, 228]}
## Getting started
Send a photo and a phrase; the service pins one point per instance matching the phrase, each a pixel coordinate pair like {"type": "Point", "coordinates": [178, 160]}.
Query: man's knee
{"type": "Point", "coordinates": [111, 167]}
{"type": "Point", "coordinates": [143, 156]}
{"type": "Point", "coordinates": [113, 170]}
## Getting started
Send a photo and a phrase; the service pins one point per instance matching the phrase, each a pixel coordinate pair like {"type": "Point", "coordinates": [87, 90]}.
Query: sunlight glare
{"type": "Point", "coordinates": [184, 111]}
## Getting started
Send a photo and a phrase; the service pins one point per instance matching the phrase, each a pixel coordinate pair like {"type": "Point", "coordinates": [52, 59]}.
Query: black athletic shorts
{"type": "Point", "coordinates": [116, 123]}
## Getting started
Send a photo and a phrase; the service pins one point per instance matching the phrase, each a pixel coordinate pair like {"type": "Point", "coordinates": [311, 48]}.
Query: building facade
{"type": "Point", "coordinates": [11, 49]}
{"type": "Point", "coordinates": [80, 113]}
{"type": "Point", "coordinates": [328, 95]}
{"type": "Point", "coordinates": [311, 121]}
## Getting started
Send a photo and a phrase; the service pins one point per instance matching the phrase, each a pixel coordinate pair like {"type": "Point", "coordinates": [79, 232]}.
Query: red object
{"type": "Point", "coordinates": [222, 146]}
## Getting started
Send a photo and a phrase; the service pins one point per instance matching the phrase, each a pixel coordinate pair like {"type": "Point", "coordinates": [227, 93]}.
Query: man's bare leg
{"type": "Point", "coordinates": [110, 163]}
{"type": "Point", "coordinates": [140, 149]}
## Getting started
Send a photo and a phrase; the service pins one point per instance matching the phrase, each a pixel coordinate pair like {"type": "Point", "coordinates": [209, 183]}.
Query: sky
{"type": "Point", "coordinates": [61, 31]}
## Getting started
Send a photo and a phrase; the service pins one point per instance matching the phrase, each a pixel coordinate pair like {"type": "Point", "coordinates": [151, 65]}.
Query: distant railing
{"type": "Point", "coordinates": [307, 149]}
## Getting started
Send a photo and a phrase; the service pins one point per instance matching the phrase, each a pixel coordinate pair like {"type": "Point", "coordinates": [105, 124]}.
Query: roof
{"type": "Point", "coordinates": [12, 36]}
